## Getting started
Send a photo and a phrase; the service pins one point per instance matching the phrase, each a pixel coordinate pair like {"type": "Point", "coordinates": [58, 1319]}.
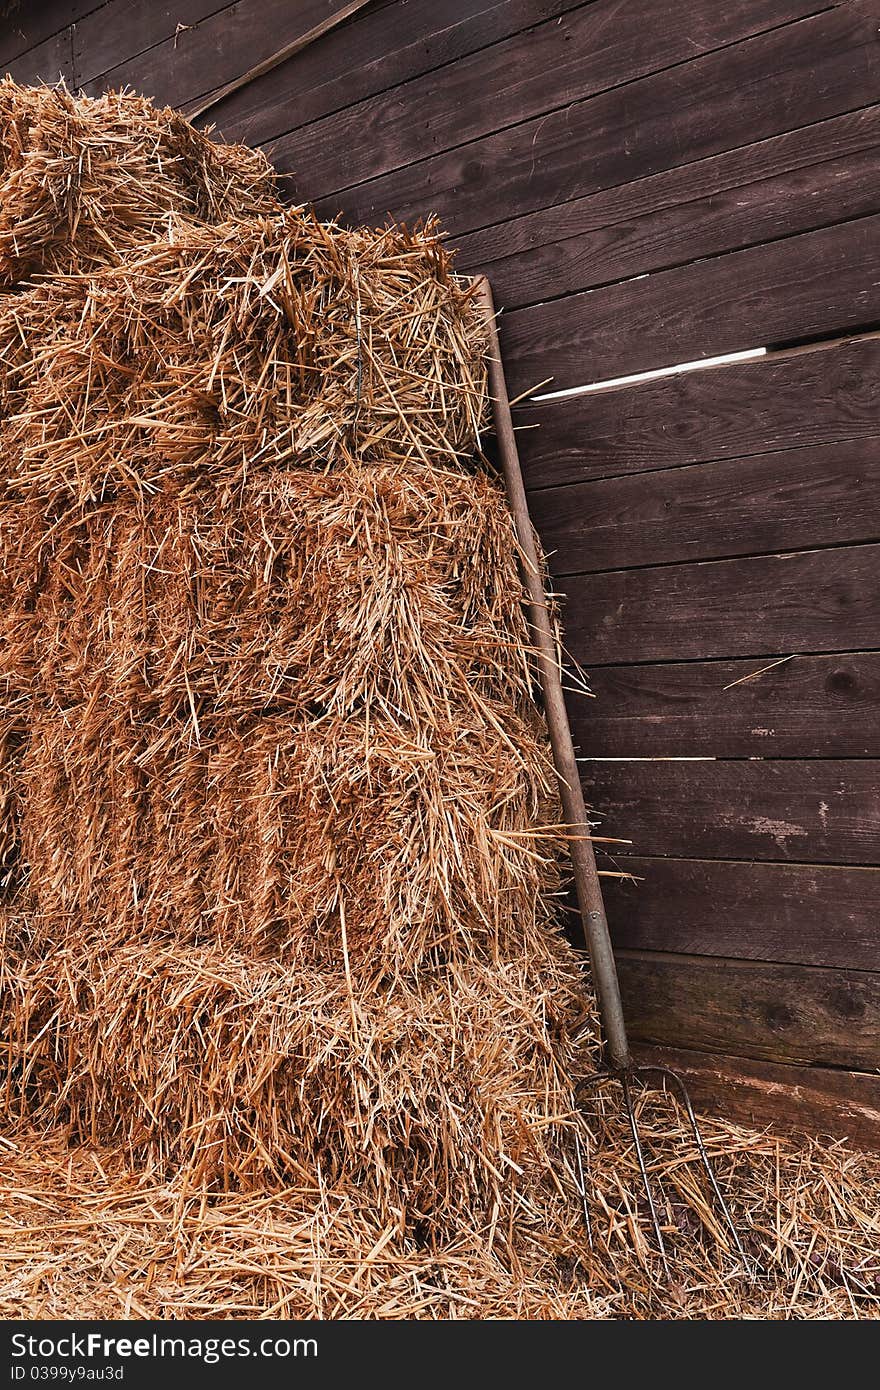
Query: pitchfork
{"type": "Point", "coordinates": [618, 1066]}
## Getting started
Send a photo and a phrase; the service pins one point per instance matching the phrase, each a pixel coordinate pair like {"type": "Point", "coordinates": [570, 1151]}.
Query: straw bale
{"type": "Point", "coordinates": [82, 1235]}
{"type": "Point", "coordinates": [230, 350]}
{"type": "Point", "coordinates": [239, 1074]}
{"type": "Point", "coordinates": [389, 587]}
{"type": "Point", "coordinates": [278, 837]}
{"type": "Point", "coordinates": [83, 180]}
{"type": "Point", "coordinates": [289, 1024]}
{"type": "Point", "coordinates": [290, 922]}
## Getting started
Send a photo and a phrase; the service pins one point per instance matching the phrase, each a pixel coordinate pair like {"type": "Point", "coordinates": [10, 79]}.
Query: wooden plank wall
{"type": "Point", "coordinates": [646, 184]}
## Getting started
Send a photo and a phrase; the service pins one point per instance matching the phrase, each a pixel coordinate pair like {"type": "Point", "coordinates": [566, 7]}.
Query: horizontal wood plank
{"type": "Point", "coordinates": [594, 47]}
{"type": "Point", "coordinates": [794, 182]}
{"type": "Point", "coordinates": [816, 1101]}
{"type": "Point", "coordinates": [798, 812]}
{"type": "Point", "coordinates": [47, 62]}
{"type": "Point", "coordinates": [817, 600]}
{"type": "Point", "coordinates": [796, 75]}
{"type": "Point", "coordinates": [214, 48]}
{"type": "Point", "coordinates": [791, 499]}
{"type": "Point", "coordinates": [779, 1013]}
{"type": "Point", "coordinates": [790, 399]}
{"type": "Point", "coordinates": [26, 25]}
{"type": "Point", "coordinates": [820, 282]}
{"type": "Point", "coordinates": [384, 47]}
{"type": "Point", "coordinates": [811, 707]}
{"type": "Point", "coordinates": [122, 32]}
{"type": "Point", "coordinates": [797, 913]}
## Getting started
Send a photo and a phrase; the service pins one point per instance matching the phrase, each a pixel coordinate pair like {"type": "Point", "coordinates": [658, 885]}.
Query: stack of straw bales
{"type": "Point", "coordinates": [279, 886]}
{"type": "Point", "coordinates": [287, 1017]}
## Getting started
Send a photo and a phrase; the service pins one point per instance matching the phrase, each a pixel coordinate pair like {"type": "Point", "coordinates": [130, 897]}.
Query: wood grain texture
{"type": "Point", "coordinates": [821, 282]}
{"type": "Point", "coordinates": [817, 1101]}
{"type": "Point", "coordinates": [811, 707]}
{"type": "Point", "coordinates": [46, 62]}
{"type": "Point", "coordinates": [791, 183]}
{"type": "Point", "coordinates": [390, 44]}
{"type": "Point", "coordinates": [778, 1013]}
{"type": "Point", "coordinates": [796, 75]}
{"type": "Point", "coordinates": [793, 499]}
{"type": "Point", "coordinates": [122, 32]}
{"type": "Point", "coordinates": [592, 48]}
{"type": "Point", "coordinates": [797, 812]}
{"type": "Point", "coordinates": [29, 24]}
{"type": "Point", "coordinates": [811, 601]}
{"type": "Point", "coordinates": [213, 50]}
{"type": "Point", "coordinates": [785, 400]}
{"type": "Point", "coordinates": [796, 913]}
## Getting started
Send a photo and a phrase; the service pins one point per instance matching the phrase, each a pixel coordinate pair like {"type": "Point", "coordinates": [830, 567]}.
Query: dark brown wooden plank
{"type": "Point", "coordinates": [123, 30]}
{"type": "Point", "coordinates": [781, 401]}
{"type": "Point", "coordinates": [796, 75]}
{"type": "Point", "coordinates": [792, 183]}
{"type": "Point", "coordinates": [388, 45]}
{"type": "Point", "coordinates": [811, 707]}
{"type": "Point", "coordinates": [817, 1101]}
{"type": "Point", "coordinates": [591, 49]}
{"type": "Point", "coordinates": [791, 499]}
{"type": "Point", "coordinates": [27, 24]}
{"type": "Point", "coordinates": [213, 50]}
{"type": "Point", "coordinates": [779, 1013]}
{"type": "Point", "coordinates": [821, 282]}
{"type": "Point", "coordinates": [815, 600]}
{"type": "Point", "coordinates": [790, 811]}
{"type": "Point", "coordinates": [803, 914]}
{"type": "Point", "coordinates": [47, 62]}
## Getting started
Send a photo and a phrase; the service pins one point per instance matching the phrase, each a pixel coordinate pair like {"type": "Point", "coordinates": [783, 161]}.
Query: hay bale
{"type": "Point", "coordinates": [283, 797]}
{"type": "Point", "coordinates": [82, 1235]}
{"type": "Point", "coordinates": [243, 1075]}
{"type": "Point", "coordinates": [389, 587]}
{"type": "Point", "coordinates": [302, 842]}
{"type": "Point", "coordinates": [83, 180]}
{"type": "Point", "coordinates": [215, 919]}
{"type": "Point", "coordinates": [238, 349]}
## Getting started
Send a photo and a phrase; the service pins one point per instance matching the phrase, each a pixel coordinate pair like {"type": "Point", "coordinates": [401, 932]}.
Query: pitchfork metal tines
{"type": "Point", "coordinates": [619, 1067]}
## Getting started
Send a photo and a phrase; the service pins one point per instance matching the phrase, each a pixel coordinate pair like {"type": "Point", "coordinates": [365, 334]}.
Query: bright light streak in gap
{"type": "Point", "coordinates": [749, 355]}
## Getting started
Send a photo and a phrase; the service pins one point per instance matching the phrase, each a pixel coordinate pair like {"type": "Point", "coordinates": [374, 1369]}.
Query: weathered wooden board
{"type": "Point", "coordinates": [798, 913]}
{"type": "Point", "coordinates": [215, 49]}
{"type": "Point", "coordinates": [779, 1013]}
{"type": "Point", "coordinates": [791, 183]}
{"type": "Point", "coordinates": [817, 600]}
{"type": "Point", "coordinates": [785, 400]}
{"type": "Point", "coordinates": [46, 62]}
{"type": "Point", "coordinates": [27, 25]}
{"type": "Point", "coordinates": [808, 1100]}
{"type": "Point", "coordinates": [814, 811]}
{"type": "Point", "coordinates": [122, 33]}
{"type": "Point", "coordinates": [811, 707]}
{"type": "Point", "coordinates": [795, 498]}
{"type": "Point", "coordinates": [796, 75]}
{"type": "Point", "coordinates": [820, 282]}
{"type": "Point", "coordinates": [390, 44]}
{"type": "Point", "coordinates": [591, 49]}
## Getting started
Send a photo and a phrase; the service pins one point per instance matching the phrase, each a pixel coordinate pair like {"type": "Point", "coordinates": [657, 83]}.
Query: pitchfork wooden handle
{"type": "Point", "coordinates": [583, 859]}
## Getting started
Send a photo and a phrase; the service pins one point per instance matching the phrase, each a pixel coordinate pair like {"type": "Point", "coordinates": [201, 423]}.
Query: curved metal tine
{"type": "Point", "coordinates": [682, 1089]}
{"type": "Point", "coordinates": [595, 1079]}
{"type": "Point", "coordinates": [655, 1221]}
{"type": "Point", "coordinates": [582, 1189]}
